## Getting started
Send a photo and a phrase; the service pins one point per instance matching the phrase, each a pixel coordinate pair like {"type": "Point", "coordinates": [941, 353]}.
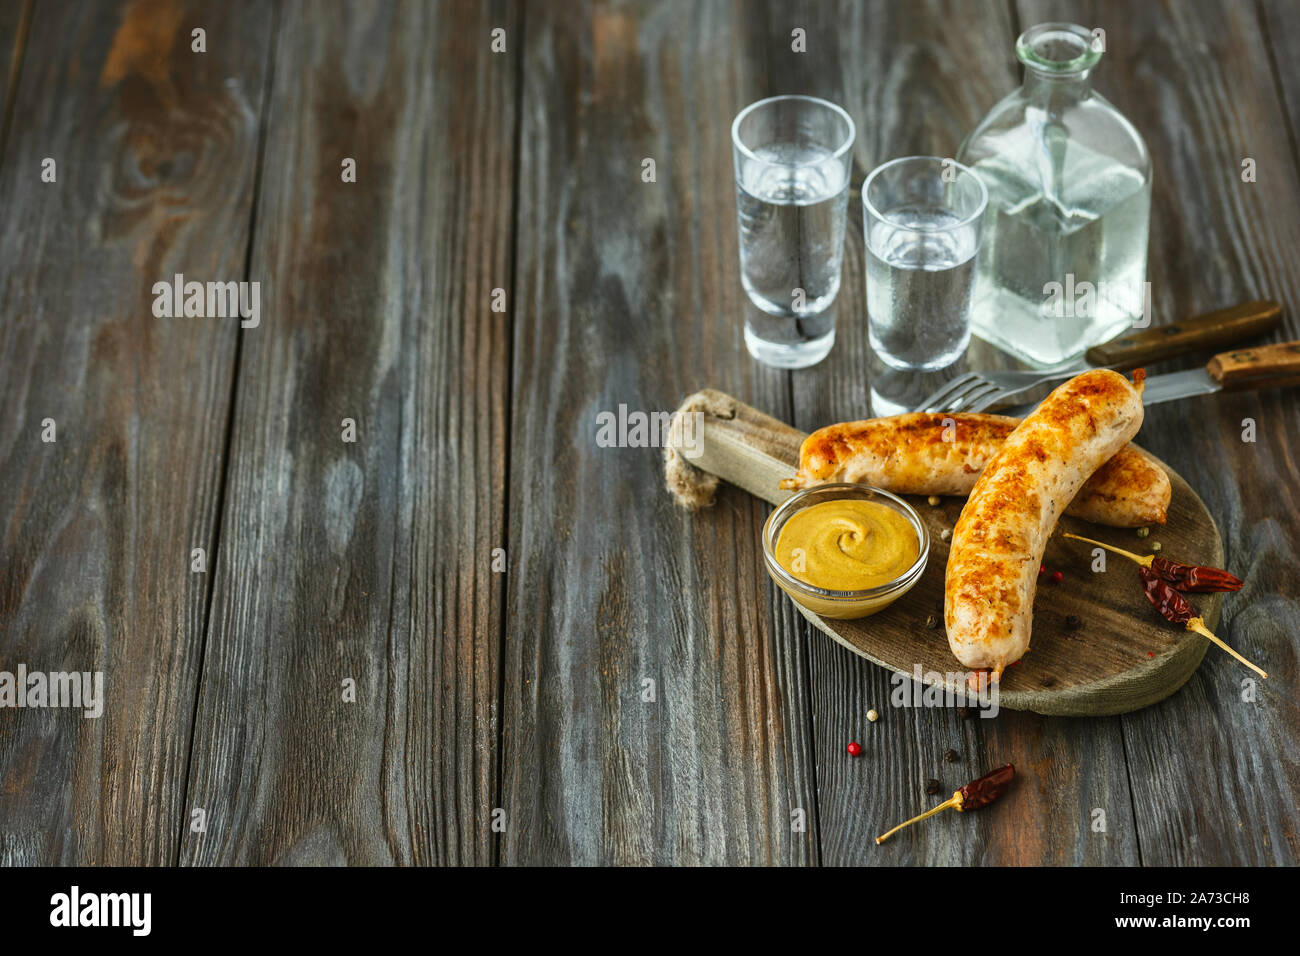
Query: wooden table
{"type": "Point", "coordinates": [500, 710]}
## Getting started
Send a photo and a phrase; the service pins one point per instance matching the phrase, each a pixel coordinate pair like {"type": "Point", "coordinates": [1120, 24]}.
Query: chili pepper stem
{"type": "Point", "coordinates": [947, 804]}
{"type": "Point", "coordinates": [1198, 625]}
{"type": "Point", "coordinates": [1144, 560]}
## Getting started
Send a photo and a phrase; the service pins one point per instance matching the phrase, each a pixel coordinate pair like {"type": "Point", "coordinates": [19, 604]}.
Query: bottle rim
{"type": "Point", "coordinates": [1059, 49]}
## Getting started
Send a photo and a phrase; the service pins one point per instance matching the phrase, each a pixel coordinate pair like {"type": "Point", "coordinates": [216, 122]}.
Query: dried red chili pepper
{"type": "Point", "coordinates": [979, 793]}
{"type": "Point", "coordinates": [1176, 608]}
{"type": "Point", "coordinates": [976, 795]}
{"type": "Point", "coordinates": [1171, 605]}
{"type": "Point", "coordinates": [1193, 578]}
{"type": "Point", "coordinates": [1182, 577]}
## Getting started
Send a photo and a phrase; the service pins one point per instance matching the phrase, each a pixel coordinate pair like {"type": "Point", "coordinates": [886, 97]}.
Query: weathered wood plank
{"type": "Point", "coordinates": [1215, 777]}
{"type": "Point", "coordinates": [1280, 26]}
{"type": "Point", "coordinates": [629, 294]}
{"type": "Point", "coordinates": [155, 151]}
{"type": "Point", "coordinates": [15, 19]}
{"type": "Point", "coordinates": [368, 561]}
{"type": "Point", "coordinates": [916, 78]}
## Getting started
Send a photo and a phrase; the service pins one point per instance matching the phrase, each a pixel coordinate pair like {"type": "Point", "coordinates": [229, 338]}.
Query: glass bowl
{"type": "Point", "coordinates": [843, 605]}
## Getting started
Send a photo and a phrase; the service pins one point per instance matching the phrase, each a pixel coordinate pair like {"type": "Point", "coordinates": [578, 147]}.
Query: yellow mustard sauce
{"type": "Point", "coordinates": [847, 545]}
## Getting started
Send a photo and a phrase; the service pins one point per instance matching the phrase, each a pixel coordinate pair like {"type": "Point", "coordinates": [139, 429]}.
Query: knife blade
{"type": "Point", "coordinates": [1269, 366]}
{"type": "Point", "coordinates": [1159, 388]}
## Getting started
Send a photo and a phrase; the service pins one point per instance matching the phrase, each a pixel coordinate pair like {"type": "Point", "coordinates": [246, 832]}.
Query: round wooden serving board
{"type": "Point", "coordinates": [1123, 657]}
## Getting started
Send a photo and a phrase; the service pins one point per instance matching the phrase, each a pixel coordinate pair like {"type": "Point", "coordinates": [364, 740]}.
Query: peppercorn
{"type": "Point", "coordinates": [945, 534]}
{"type": "Point", "coordinates": [1057, 577]}
{"type": "Point", "coordinates": [951, 755]}
{"type": "Point", "coordinates": [1155, 545]}
{"type": "Point", "coordinates": [1072, 622]}
{"type": "Point", "coordinates": [932, 787]}
{"type": "Point", "coordinates": [934, 500]}
{"type": "Point", "coordinates": [1042, 569]}
{"type": "Point", "coordinates": [854, 749]}
{"type": "Point", "coordinates": [872, 715]}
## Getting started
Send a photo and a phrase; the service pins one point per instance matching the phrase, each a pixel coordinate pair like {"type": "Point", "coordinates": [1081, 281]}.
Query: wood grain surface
{"type": "Point", "coordinates": [155, 156]}
{"type": "Point", "coordinates": [366, 561]}
{"type": "Point", "coordinates": [15, 21]}
{"type": "Point", "coordinates": [630, 295]}
{"type": "Point", "coordinates": [629, 687]}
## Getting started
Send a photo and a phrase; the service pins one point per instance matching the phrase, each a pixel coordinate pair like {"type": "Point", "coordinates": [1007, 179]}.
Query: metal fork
{"type": "Point", "coordinates": [976, 391]}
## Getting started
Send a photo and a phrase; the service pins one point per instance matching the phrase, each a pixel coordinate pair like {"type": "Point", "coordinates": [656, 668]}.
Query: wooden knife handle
{"type": "Point", "coordinates": [1268, 366]}
{"type": "Point", "coordinates": [1211, 330]}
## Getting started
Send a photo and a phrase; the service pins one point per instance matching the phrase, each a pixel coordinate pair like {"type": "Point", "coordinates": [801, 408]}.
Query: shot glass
{"type": "Point", "coordinates": [793, 156]}
{"type": "Point", "coordinates": [921, 219]}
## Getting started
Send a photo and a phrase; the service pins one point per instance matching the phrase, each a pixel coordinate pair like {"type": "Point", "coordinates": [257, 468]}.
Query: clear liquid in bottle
{"type": "Point", "coordinates": [1062, 263]}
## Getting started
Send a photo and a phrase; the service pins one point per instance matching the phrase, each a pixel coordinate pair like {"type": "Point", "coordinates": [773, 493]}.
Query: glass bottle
{"type": "Point", "coordinates": [1062, 265]}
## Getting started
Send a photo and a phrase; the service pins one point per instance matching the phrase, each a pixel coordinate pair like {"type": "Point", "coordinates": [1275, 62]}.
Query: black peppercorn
{"type": "Point", "coordinates": [951, 755]}
{"type": "Point", "coordinates": [1072, 622]}
{"type": "Point", "coordinates": [932, 787]}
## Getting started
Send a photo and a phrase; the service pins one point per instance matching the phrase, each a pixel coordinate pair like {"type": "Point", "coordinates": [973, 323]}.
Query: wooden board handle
{"type": "Point", "coordinates": [1211, 330]}
{"type": "Point", "coordinates": [730, 440]}
{"type": "Point", "coordinates": [1268, 366]}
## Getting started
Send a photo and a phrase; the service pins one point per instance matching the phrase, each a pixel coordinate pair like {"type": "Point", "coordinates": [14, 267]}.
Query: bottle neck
{"type": "Point", "coordinates": [1055, 92]}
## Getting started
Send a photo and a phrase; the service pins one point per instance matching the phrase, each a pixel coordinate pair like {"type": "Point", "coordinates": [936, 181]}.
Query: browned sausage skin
{"type": "Point", "coordinates": [925, 453]}
{"type": "Point", "coordinates": [998, 542]}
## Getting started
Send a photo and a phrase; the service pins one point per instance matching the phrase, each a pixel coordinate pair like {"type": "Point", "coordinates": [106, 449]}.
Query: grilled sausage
{"type": "Point", "coordinates": [998, 542]}
{"type": "Point", "coordinates": [917, 454]}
